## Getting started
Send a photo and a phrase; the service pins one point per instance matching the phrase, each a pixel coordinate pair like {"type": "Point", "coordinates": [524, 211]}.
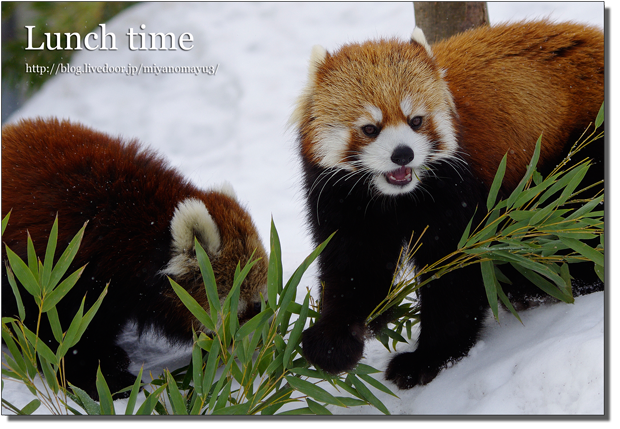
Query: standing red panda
{"type": "Point", "coordinates": [143, 217]}
{"type": "Point", "coordinates": [397, 136]}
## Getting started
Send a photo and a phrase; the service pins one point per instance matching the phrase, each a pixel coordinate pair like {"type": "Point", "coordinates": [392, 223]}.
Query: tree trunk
{"type": "Point", "coordinates": [440, 20]}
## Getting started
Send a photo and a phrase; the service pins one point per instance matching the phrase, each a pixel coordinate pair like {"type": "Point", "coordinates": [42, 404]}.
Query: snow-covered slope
{"type": "Point", "coordinates": [232, 126]}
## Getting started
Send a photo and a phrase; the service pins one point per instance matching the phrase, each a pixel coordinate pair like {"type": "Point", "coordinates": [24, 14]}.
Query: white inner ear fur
{"type": "Point", "coordinates": [192, 219]}
{"type": "Point", "coordinates": [226, 188]}
{"type": "Point", "coordinates": [418, 36]}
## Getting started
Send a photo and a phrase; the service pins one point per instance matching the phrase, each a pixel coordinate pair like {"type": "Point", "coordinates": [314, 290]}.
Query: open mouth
{"type": "Point", "coordinates": [399, 177]}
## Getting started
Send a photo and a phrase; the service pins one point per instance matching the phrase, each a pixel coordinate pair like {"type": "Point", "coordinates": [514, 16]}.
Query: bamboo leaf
{"type": "Point", "coordinates": [151, 402]}
{"type": "Point", "coordinates": [24, 275]}
{"type": "Point", "coordinates": [209, 280]}
{"type": "Point", "coordinates": [295, 335]}
{"type": "Point", "coordinates": [367, 395]}
{"type": "Point", "coordinates": [85, 401]}
{"type": "Point", "coordinates": [600, 117]}
{"type": "Point", "coordinates": [5, 221]}
{"type": "Point", "coordinates": [584, 250]}
{"type": "Point", "coordinates": [376, 384]}
{"type": "Point", "coordinates": [497, 183]}
{"type": "Point", "coordinates": [21, 311]}
{"type": "Point", "coordinates": [50, 251]}
{"type": "Point", "coordinates": [61, 291]}
{"type": "Point", "coordinates": [192, 305]}
{"type": "Point", "coordinates": [106, 404]}
{"type": "Point", "coordinates": [67, 257]}
{"type": "Point", "coordinates": [312, 390]}
{"type": "Point", "coordinates": [490, 285]}
{"type": "Point", "coordinates": [176, 399]}
{"type": "Point", "coordinates": [133, 396]}
{"type": "Point", "coordinates": [528, 174]}
{"type": "Point", "coordinates": [317, 408]}
{"type": "Point", "coordinates": [274, 274]}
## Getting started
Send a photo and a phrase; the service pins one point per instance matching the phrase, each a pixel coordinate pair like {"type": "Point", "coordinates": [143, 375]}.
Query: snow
{"type": "Point", "coordinates": [232, 126]}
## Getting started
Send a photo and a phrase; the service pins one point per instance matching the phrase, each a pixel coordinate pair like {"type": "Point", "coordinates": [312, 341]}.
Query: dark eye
{"type": "Point", "coordinates": [415, 122]}
{"type": "Point", "coordinates": [370, 130]}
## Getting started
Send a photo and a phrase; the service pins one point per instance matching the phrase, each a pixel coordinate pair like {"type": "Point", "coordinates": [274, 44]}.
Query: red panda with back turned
{"type": "Point", "coordinates": [395, 137]}
{"type": "Point", "coordinates": [143, 217]}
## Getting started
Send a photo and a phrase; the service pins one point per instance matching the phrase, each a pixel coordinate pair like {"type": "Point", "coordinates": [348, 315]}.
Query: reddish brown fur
{"type": "Point", "coordinates": [51, 167]}
{"type": "Point", "coordinates": [535, 55]}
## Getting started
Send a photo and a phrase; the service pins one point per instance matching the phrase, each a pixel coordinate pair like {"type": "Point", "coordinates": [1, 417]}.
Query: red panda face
{"type": "Point", "coordinates": [380, 109]}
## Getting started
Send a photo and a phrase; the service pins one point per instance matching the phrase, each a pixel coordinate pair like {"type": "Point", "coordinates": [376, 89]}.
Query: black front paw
{"type": "Point", "coordinates": [407, 370]}
{"type": "Point", "coordinates": [334, 348]}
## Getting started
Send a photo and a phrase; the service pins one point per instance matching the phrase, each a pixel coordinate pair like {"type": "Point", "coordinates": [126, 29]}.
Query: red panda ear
{"type": "Point", "coordinates": [191, 220]}
{"type": "Point", "coordinates": [418, 37]}
{"type": "Point", "coordinates": [227, 189]}
{"type": "Point", "coordinates": [317, 57]}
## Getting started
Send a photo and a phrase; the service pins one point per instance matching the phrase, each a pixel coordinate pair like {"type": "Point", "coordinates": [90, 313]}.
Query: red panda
{"type": "Point", "coordinates": [143, 217]}
{"type": "Point", "coordinates": [397, 136]}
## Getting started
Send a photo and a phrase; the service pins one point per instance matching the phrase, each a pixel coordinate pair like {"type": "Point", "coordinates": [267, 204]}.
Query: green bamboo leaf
{"type": "Point", "coordinates": [367, 395]}
{"type": "Point", "coordinates": [586, 208]}
{"type": "Point", "coordinates": [253, 324]}
{"type": "Point", "coordinates": [490, 285]}
{"type": "Point", "coordinates": [52, 317]}
{"type": "Point", "coordinates": [497, 183]}
{"type": "Point", "coordinates": [61, 291]}
{"type": "Point", "coordinates": [296, 412]}
{"type": "Point", "coordinates": [151, 402]}
{"type": "Point", "coordinates": [600, 117]}
{"type": "Point", "coordinates": [295, 336]}
{"type": "Point", "coordinates": [274, 274]}
{"type": "Point", "coordinates": [176, 399]}
{"type": "Point", "coordinates": [600, 272]}
{"type": "Point", "coordinates": [317, 408]}
{"type": "Point", "coordinates": [48, 262]}
{"type": "Point", "coordinates": [106, 404]}
{"type": "Point", "coordinates": [197, 375]}
{"type": "Point", "coordinates": [90, 314]}
{"type": "Point", "coordinates": [42, 349]}
{"type": "Point", "coordinates": [211, 367]}
{"type": "Point", "coordinates": [274, 402]}
{"type": "Point", "coordinates": [584, 250]}
{"type": "Point", "coordinates": [24, 275]}
{"type": "Point", "coordinates": [50, 374]}
{"type": "Point", "coordinates": [192, 305]}
{"type": "Point", "coordinates": [5, 221]}
{"type": "Point", "coordinates": [30, 407]}
{"type": "Point", "coordinates": [69, 339]}
{"type": "Point", "coordinates": [465, 235]}
{"type": "Point", "coordinates": [545, 285]}
{"type": "Point", "coordinates": [33, 261]}
{"type": "Point", "coordinates": [507, 303]}
{"type": "Point", "coordinates": [223, 395]}
{"type": "Point", "coordinates": [67, 257]}
{"type": "Point", "coordinates": [21, 311]}
{"type": "Point", "coordinates": [233, 410]}
{"type": "Point", "coordinates": [133, 396]}
{"type": "Point", "coordinates": [13, 349]}
{"type": "Point", "coordinates": [209, 280]}
{"type": "Point", "coordinates": [85, 401]}
{"type": "Point", "coordinates": [528, 174]}
{"type": "Point", "coordinates": [312, 390]}
{"type": "Point", "coordinates": [376, 384]}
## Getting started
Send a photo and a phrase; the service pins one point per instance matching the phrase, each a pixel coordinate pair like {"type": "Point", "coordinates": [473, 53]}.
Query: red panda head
{"type": "Point", "coordinates": [228, 235]}
{"type": "Point", "coordinates": [379, 108]}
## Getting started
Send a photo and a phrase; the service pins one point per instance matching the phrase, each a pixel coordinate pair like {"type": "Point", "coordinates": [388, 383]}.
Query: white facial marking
{"type": "Point", "coordinates": [406, 106]}
{"type": "Point", "coordinates": [331, 145]}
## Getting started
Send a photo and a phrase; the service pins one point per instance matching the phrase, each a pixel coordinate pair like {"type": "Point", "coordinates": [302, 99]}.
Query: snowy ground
{"type": "Point", "coordinates": [232, 126]}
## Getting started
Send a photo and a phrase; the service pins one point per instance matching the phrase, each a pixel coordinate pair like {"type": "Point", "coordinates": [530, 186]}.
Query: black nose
{"type": "Point", "coordinates": [402, 155]}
